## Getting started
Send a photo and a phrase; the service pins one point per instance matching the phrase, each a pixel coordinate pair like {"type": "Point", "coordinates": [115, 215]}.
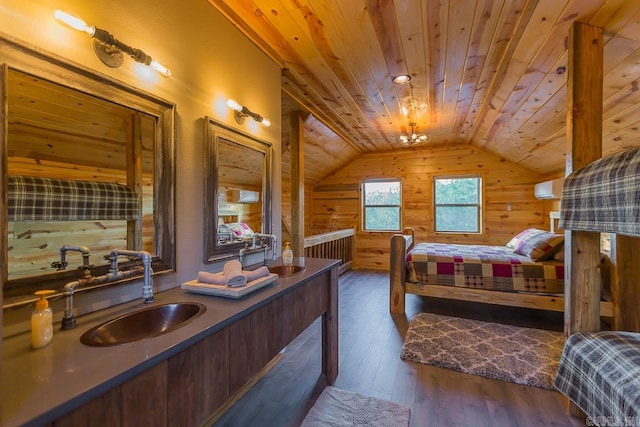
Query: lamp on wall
{"type": "Point", "coordinates": [241, 112]}
{"type": "Point", "coordinates": [107, 47]}
{"type": "Point", "coordinates": [414, 138]}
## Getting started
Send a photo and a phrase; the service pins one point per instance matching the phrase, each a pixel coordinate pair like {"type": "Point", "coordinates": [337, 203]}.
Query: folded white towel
{"type": "Point", "coordinates": [233, 274]}
{"type": "Point", "coordinates": [256, 274]}
{"type": "Point", "coordinates": [212, 278]}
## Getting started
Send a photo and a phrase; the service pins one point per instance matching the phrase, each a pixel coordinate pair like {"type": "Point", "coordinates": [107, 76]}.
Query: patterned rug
{"type": "Point", "coordinates": [502, 352]}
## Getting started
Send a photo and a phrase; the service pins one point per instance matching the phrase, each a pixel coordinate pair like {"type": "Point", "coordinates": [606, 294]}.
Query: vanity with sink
{"type": "Point", "coordinates": [179, 361]}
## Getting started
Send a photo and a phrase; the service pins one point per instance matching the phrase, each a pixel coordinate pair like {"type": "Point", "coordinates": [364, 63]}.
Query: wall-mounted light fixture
{"type": "Point", "coordinates": [107, 47]}
{"type": "Point", "coordinates": [414, 138]}
{"type": "Point", "coordinates": [241, 112]}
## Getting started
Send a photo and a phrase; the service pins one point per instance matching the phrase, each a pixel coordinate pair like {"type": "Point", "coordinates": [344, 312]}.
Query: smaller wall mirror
{"type": "Point", "coordinates": [237, 189]}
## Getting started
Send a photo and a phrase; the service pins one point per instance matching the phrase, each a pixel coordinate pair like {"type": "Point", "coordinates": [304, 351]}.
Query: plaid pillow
{"type": "Point", "coordinates": [536, 244]}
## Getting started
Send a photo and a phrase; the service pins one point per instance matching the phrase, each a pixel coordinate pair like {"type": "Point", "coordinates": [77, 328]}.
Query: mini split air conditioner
{"type": "Point", "coordinates": [549, 189]}
{"type": "Point", "coordinates": [244, 196]}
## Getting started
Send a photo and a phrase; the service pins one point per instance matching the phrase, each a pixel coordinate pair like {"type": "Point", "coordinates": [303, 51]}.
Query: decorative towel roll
{"type": "Point", "coordinates": [256, 274]}
{"type": "Point", "coordinates": [233, 274]}
{"type": "Point", "coordinates": [212, 278]}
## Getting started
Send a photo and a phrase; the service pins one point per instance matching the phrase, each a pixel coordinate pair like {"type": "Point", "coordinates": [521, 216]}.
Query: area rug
{"type": "Point", "coordinates": [336, 407]}
{"type": "Point", "coordinates": [502, 352]}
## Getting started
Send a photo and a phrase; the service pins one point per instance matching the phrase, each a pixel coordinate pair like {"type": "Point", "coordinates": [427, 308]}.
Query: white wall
{"type": "Point", "coordinates": [210, 61]}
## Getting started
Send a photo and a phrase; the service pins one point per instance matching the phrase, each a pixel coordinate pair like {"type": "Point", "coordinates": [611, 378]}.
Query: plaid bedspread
{"type": "Point", "coordinates": [603, 196]}
{"type": "Point", "coordinates": [600, 372]}
{"type": "Point", "coordinates": [482, 267]}
{"type": "Point", "coordinates": [33, 198]}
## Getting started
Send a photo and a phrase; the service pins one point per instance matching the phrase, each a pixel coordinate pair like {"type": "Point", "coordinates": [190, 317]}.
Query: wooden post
{"type": "Point", "coordinates": [297, 183]}
{"type": "Point", "coordinates": [584, 145]}
{"type": "Point", "coordinates": [626, 288]}
{"type": "Point", "coordinates": [584, 139]}
{"type": "Point", "coordinates": [134, 178]}
{"type": "Point", "coordinates": [330, 329]}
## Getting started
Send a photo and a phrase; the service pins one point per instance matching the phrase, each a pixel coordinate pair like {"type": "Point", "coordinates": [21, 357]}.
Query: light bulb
{"type": "Point", "coordinates": [266, 122]}
{"type": "Point", "coordinates": [402, 79]}
{"type": "Point", "coordinates": [160, 68]}
{"type": "Point", "coordinates": [74, 22]}
{"type": "Point", "coordinates": [233, 104]}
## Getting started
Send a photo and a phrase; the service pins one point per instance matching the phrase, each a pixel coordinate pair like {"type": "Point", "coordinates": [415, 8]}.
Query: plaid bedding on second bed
{"type": "Point", "coordinates": [484, 267]}
{"type": "Point", "coordinates": [600, 372]}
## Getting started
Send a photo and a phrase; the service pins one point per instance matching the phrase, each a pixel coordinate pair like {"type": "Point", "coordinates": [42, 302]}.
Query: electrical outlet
{"type": "Point", "coordinates": [508, 206]}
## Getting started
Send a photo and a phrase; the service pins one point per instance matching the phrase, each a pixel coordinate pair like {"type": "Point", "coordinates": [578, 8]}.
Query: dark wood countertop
{"type": "Point", "coordinates": [41, 385]}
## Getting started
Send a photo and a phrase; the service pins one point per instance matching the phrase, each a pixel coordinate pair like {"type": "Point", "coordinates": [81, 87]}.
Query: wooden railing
{"type": "Point", "coordinates": [339, 244]}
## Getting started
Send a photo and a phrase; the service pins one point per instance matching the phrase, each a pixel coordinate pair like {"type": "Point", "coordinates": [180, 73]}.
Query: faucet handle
{"type": "Point", "coordinates": [59, 265]}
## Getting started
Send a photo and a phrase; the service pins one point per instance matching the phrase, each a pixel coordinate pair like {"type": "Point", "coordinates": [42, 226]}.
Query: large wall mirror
{"type": "Point", "coordinates": [237, 189]}
{"type": "Point", "coordinates": [86, 162]}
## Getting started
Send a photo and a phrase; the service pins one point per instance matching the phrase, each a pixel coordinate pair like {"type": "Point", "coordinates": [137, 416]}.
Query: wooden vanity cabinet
{"type": "Point", "coordinates": [188, 388]}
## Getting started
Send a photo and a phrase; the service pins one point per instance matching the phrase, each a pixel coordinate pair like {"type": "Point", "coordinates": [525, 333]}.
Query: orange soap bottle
{"type": "Point", "coordinates": [42, 321]}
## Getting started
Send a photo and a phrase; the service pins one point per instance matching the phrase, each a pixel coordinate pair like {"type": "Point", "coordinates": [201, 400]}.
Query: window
{"type": "Point", "coordinates": [457, 204]}
{"type": "Point", "coordinates": [381, 205]}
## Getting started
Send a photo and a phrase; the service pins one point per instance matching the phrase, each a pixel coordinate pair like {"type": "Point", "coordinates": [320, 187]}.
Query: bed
{"type": "Point", "coordinates": [600, 370]}
{"type": "Point", "coordinates": [527, 272]}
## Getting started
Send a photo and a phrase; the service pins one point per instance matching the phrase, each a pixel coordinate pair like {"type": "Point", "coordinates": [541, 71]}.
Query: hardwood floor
{"type": "Point", "coordinates": [370, 344]}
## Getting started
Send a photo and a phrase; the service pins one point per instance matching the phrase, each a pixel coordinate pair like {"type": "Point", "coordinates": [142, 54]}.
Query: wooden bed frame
{"type": "Point", "coordinates": [401, 244]}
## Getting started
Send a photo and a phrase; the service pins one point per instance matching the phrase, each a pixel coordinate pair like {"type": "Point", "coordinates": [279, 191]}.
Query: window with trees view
{"type": "Point", "coordinates": [381, 201]}
{"type": "Point", "coordinates": [457, 204]}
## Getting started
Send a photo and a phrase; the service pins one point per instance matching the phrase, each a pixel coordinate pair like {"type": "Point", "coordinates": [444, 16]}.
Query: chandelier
{"type": "Point", "coordinates": [414, 138]}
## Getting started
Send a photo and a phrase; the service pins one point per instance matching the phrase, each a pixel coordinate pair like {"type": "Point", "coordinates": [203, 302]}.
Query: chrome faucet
{"type": "Point", "coordinates": [145, 257]}
{"type": "Point", "coordinates": [241, 254]}
{"type": "Point", "coordinates": [69, 320]}
{"type": "Point", "coordinates": [62, 264]}
{"type": "Point", "coordinates": [274, 243]}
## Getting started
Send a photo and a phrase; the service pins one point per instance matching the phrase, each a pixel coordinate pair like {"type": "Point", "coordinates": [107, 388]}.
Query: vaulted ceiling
{"type": "Point", "coordinates": [491, 73]}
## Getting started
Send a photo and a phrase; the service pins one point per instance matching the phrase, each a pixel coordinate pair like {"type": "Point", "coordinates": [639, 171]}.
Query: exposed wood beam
{"type": "Point", "coordinates": [297, 183]}
{"type": "Point", "coordinates": [584, 145]}
{"type": "Point", "coordinates": [318, 114]}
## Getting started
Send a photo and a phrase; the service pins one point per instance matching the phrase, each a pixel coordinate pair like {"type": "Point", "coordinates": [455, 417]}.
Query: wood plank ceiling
{"type": "Point", "coordinates": [491, 73]}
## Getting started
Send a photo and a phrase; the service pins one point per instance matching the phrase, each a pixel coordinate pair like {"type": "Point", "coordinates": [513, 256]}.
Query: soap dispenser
{"type": "Point", "coordinates": [287, 255]}
{"type": "Point", "coordinates": [42, 321]}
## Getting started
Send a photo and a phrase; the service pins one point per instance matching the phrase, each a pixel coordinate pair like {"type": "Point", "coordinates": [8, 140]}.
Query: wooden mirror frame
{"type": "Point", "coordinates": [32, 60]}
{"type": "Point", "coordinates": [213, 131]}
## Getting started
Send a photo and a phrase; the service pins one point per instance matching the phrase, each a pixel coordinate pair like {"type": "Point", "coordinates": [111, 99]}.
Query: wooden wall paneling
{"type": "Point", "coordinates": [240, 348]}
{"type": "Point", "coordinates": [504, 89]}
{"type": "Point", "coordinates": [144, 398]}
{"type": "Point", "coordinates": [301, 311]}
{"type": "Point", "coordinates": [215, 360]}
{"type": "Point", "coordinates": [289, 328]}
{"type": "Point", "coordinates": [186, 391]}
{"type": "Point", "coordinates": [584, 145]}
{"type": "Point", "coordinates": [276, 340]}
{"type": "Point", "coordinates": [261, 327]}
{"type": "Point", "coordinates": [105, 410]}
{"type": "Point", "coordinates": [503, 182]}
